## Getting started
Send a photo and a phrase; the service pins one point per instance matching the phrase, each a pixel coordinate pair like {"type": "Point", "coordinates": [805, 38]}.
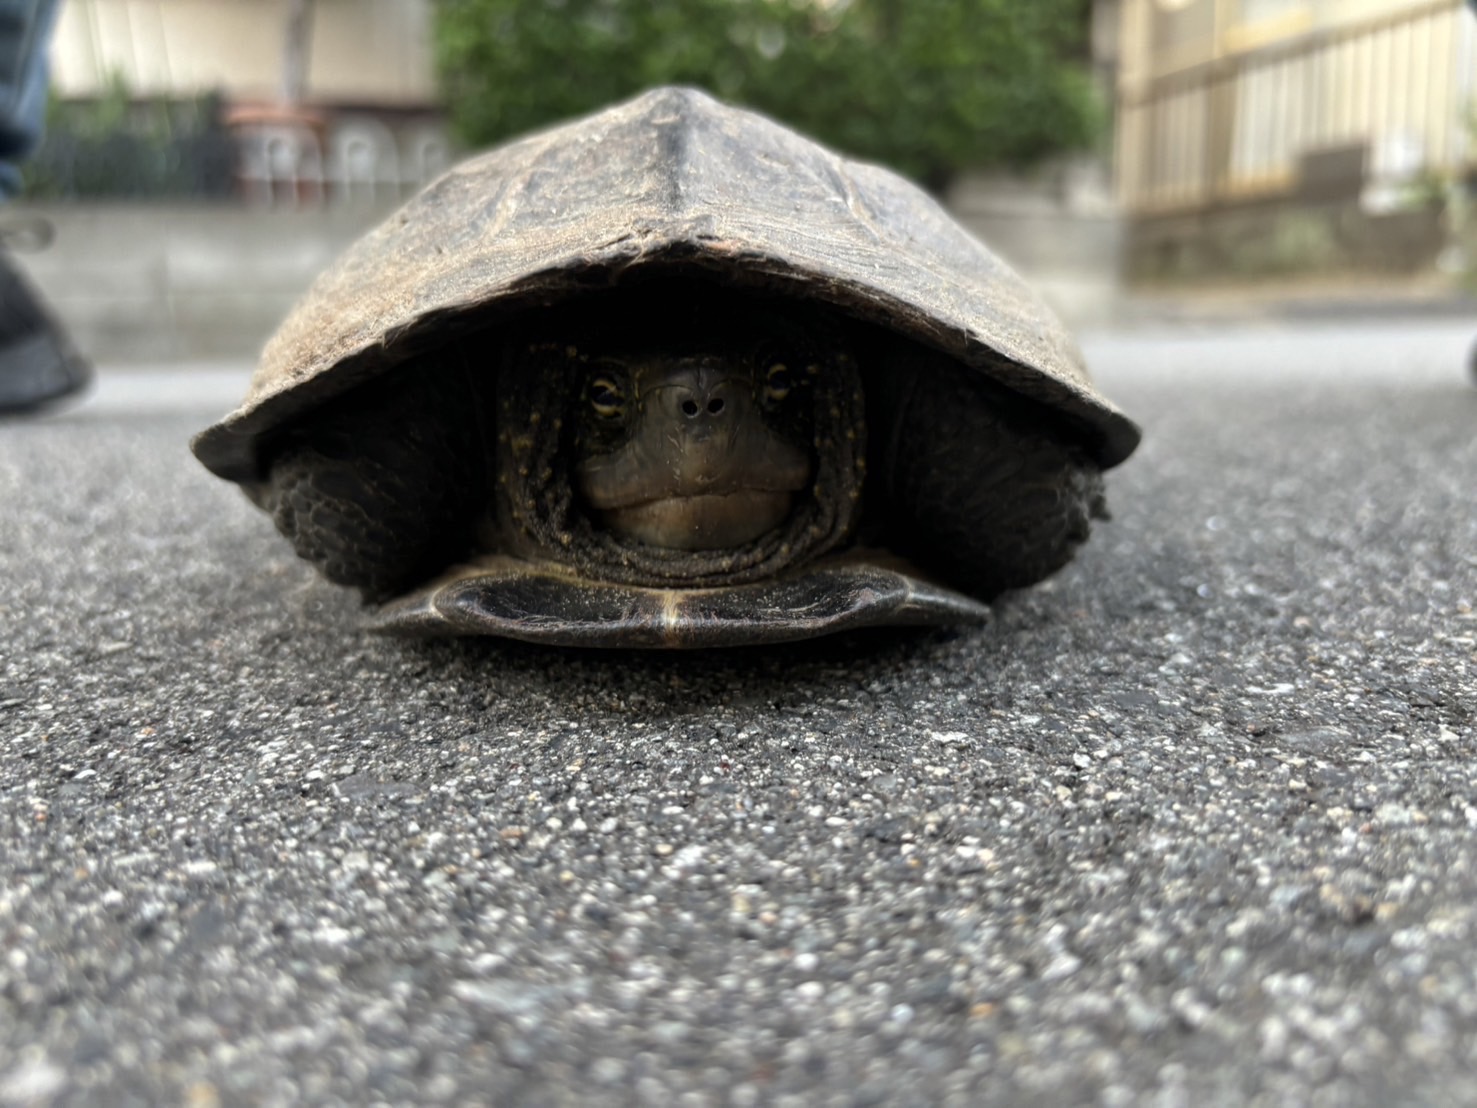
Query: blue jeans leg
{"type": "Point", "coordinates": [25, 33]}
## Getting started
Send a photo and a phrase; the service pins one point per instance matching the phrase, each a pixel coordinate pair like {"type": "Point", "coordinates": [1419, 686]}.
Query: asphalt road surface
{"type": "Point", "coordinates": [1193, 823]}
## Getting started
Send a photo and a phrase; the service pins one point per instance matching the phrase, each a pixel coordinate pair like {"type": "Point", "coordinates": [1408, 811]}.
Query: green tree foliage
{"type": "Point", "coordinates": [927, 86]}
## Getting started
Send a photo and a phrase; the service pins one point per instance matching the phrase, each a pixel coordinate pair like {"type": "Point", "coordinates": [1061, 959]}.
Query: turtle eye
{"type": "Point", "coordinates": [607, 398]}
{"type": "Point", "coordinates": [777, 382]}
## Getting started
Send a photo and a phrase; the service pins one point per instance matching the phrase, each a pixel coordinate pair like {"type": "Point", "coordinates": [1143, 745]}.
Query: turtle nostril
{"type": "Point", "coordinates": [689, 407]}
{"type": "Point", "coordinates": [715, 405]}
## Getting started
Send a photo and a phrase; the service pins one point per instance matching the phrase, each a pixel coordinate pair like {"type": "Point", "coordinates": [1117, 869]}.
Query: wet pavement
{"type": "Point", "coordinates": [1195, 822]}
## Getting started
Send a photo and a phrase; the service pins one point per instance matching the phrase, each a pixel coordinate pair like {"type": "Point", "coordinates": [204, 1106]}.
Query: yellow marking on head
{"type": "Point", "coordinates": [777, 382]}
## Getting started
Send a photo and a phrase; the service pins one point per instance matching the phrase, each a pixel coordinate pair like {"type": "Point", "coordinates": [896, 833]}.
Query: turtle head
{"type": "Point", "coordinates": [697, 450]}
{"type": "Point", "coordinates": [671, 436]}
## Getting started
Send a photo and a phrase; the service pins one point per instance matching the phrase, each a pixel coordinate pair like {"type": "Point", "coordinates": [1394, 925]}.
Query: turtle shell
{"type": "Point", "coordinates": [672, 179]}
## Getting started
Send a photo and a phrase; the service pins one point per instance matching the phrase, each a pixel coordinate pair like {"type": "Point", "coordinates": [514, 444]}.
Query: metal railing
{"type": "Point", "coordinates": [1397, 91]}
{"type": "Point", "coordinates": [357, 160]}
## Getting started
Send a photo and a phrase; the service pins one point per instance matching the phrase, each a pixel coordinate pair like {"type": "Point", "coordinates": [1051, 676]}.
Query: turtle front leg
{"type": "Point", "coordinates": [972, 482]}
{"type": "Point", "coordinates": [382, 488]}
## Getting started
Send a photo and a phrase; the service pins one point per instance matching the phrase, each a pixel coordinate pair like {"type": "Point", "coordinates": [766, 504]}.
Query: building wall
{"type": "Point", "coordinates": [1160, 37]}
{"type": "Point", "coordinates": [1221, 101]}
{"type": "Point", "coordinates": [361, 51]}
{"type": "Point", "coordinates": [1287, 136]}
{"type": "Point", "coordinates": [372, 130]}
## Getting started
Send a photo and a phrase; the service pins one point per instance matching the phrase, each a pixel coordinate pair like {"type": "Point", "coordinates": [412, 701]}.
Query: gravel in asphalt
{"type": "Point", "coordinates": [1194, 822]}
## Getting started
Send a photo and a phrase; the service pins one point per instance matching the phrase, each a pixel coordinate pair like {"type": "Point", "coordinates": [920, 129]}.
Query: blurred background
{"type": "Point", "coordinates": [204, 159]}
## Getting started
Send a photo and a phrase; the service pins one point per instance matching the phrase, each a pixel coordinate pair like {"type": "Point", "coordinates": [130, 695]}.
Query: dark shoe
{"type": "Point", "coordinates": [38, 363]}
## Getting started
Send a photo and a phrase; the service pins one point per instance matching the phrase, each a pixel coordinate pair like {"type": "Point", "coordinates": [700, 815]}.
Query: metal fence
{"type": "Point", "coordinates": [114, 148]}
{"type": "Point", "coordinates": [356, 159]}
{"type": "Point", "coordinates": [128, 166]}
{"type": "Point", "coordinates": [199, 149]}
{"type": "Point", "coordinates": [1397, 91]}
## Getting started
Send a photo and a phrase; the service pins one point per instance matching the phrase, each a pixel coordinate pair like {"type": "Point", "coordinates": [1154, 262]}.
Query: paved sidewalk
{"type": "Point", "coordinates": [1194, 823]}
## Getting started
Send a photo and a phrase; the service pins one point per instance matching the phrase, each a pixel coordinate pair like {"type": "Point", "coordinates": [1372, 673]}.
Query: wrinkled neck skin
{"type": "Point", "coordinates": [715, 447]}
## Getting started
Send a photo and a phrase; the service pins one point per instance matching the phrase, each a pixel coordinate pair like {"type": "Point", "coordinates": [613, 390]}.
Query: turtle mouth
{"type": "Point", "coordinates": [703, 521]}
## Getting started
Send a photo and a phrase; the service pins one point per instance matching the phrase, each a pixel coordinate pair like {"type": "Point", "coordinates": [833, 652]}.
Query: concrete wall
{"type": "Point", "coordinates": [148, 283]}
{"type": "Point", "coordinates": [1285, 237]}
{"type": "Point", "coordinates": [1057, 226]}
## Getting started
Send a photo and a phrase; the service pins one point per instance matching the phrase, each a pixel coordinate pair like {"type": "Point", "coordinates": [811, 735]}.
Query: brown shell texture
{"type": "Point", "coordinates": [670, 178]}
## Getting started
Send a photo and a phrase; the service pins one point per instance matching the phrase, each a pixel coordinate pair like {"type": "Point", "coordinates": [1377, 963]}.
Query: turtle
{"type": "Point", "coordinates": [672, 375]}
